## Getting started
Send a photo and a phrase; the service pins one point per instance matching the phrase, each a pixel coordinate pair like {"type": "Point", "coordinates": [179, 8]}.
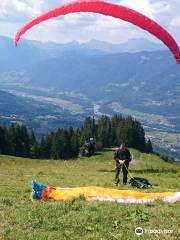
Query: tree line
{"type": "Point", "coordinates": [111, 131]}
{"type": "Point", "coordinates": [65, 143]}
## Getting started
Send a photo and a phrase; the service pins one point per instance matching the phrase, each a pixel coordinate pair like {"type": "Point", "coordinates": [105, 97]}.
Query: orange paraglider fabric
{"type": "Point", "coordinates": [92, 193]}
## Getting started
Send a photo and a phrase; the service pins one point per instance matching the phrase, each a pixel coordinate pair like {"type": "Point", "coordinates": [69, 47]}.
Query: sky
{"type": "Point", "coordinates": [83, 27]}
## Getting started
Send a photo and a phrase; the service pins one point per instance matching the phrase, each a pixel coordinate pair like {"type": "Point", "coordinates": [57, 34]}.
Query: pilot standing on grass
{"type": "Point", "coordinates": [122, 157]}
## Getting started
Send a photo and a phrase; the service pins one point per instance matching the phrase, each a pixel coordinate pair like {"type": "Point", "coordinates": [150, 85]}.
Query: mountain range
{"type": "Point", "coordinates": [28, 51]}
{"type": "Point", "coordinates": [62, 83]}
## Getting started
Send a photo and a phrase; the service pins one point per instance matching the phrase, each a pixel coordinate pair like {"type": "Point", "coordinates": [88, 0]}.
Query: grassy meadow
{"type": "Point", "coordinates": [49, 220]}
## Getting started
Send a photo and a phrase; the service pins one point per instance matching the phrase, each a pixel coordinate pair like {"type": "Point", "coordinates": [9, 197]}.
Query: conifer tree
{"type": "Point", "coordinates": [149, 148]}
{"type": "Point", "coordinates": [104, 131]}
{"type": "Point", "coordinates": [2, 141]}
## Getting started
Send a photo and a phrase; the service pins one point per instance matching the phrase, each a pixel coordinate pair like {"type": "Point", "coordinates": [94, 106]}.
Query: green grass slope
{"type": "Point", "coordinates": [23, 220]}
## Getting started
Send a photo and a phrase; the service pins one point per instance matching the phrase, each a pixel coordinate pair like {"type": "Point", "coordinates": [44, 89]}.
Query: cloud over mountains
{"type": "Point", "coordinates": [83, 26]}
